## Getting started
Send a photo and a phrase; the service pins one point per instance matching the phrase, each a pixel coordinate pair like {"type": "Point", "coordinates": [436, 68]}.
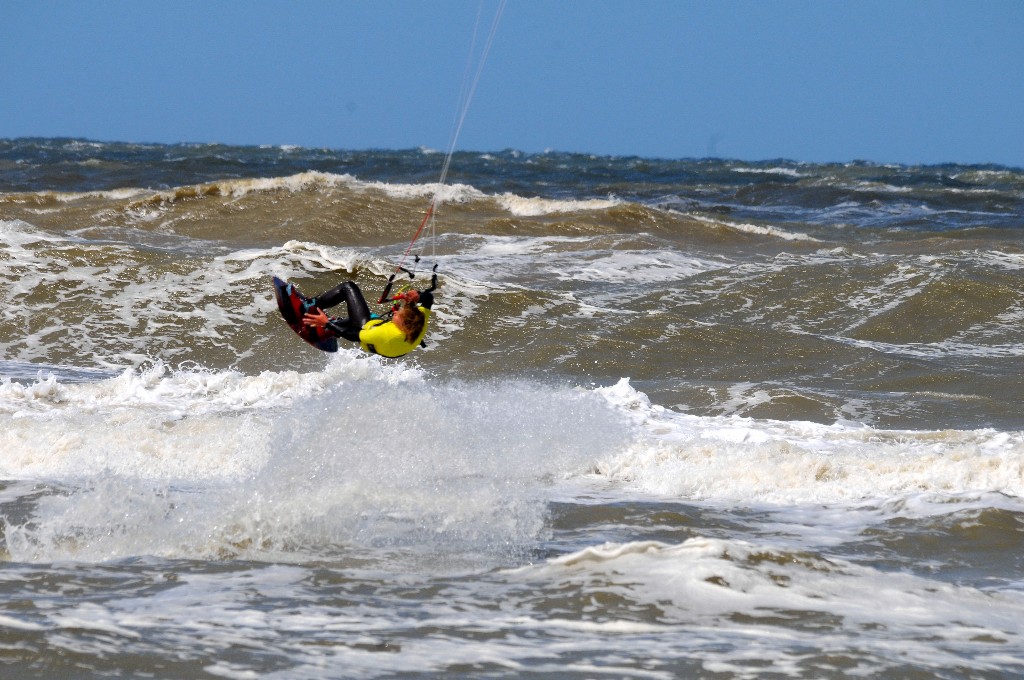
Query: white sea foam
{"type": "Point", "coordinates": [1012, 261]}
{"type": "Point", "coordinates": [981, 176]}
{"type": "Point", "coordinates": [731, 459]}
{"type": "Point", "coordinates": [946, 348]}
{"type": "Point", "coordinates": [213, 462]}
{"type": "Point", "coordinates": [746, 228]}
{"type": "Point", "coordinates": [727, 590]}
{"type": "Point", "coordinates": [519, 206]}
{"type": "Point", "coordinates": [300, 467]}
{"type": "Point", "coordinates": [575, 258]}
{"type": "Point", "coordinates": [150, 423]}
{"type": "Point", "coordinates": [444, 193]}
{"type": "Point", "coordinates": [788, 172]}
{"type": "Point", "coordinates": [871, 186]}
{"type": "Point", "coordinates": [155, 422]}
{"type": "Point", "coordinates": [534, 207]}
{"type": "Point", "coordinates": [905, 281]}
{"type": "Point", "coordinates": [238, 188]}
{"type": "Point", "coordinates": [16, 234]}
{"type": "Point", "coordinates": [636, 267]}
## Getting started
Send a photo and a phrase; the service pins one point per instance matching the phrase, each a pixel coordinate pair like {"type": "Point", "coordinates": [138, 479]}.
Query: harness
{"type": "Point", "coordinates": [383, 337]}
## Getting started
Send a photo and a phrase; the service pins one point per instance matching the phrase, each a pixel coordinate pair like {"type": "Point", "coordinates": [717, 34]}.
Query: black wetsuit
{"type": "Point", "coordinates": [358, 311]}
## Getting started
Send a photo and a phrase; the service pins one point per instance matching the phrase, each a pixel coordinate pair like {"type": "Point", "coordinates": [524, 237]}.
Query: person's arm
{"type": "Point", "coordinates": [433, 282]}
{"type": "Point", "coordinates": [427, 296]}
{"type": "Point", "coordinates": [318, 319]}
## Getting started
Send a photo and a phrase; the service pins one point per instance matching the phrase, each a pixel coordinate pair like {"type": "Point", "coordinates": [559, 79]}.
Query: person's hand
{"type": "Point", "coordinates": [315, 319]}
{"type": "Point", "coordinates": [411, 296]}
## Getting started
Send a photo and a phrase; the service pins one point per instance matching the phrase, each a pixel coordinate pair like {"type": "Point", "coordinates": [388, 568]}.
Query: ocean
{"type": "Point", "coordinates": [692, 418]}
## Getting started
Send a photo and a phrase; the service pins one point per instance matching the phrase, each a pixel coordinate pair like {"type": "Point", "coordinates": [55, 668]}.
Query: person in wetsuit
{"type": "Point", "coordinates": [401, 335]}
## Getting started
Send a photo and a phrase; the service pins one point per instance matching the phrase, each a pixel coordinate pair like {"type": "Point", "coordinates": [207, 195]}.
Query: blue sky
{"type": "Point", "coordinates": [890, 81]}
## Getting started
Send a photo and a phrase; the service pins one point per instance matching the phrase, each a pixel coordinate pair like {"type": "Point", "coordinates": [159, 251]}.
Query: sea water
{"type": "Point", "coordinates": [675, 418]}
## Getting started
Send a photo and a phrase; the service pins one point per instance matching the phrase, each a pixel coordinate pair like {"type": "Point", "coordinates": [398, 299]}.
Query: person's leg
{"type": "Point", "coordinates": [329, 298]}
{"type": "Point", "coordinates": [358, 311]}
{"type": "Point", "coordinates": [346, 329]}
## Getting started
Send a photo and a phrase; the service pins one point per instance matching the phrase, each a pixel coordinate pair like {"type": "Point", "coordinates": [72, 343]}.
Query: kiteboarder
{"type": "Point", "coordinates": [393, 337]}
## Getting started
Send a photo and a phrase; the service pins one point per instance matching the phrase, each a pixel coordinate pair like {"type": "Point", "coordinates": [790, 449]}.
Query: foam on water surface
{"type": "Point", "coordinates": [194, 464]}
{"type": "Point", "coordinates": [735, 459]}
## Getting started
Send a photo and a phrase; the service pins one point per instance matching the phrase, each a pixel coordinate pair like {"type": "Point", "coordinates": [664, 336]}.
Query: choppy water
{"type": "Point", "coordinates": [694, 418]}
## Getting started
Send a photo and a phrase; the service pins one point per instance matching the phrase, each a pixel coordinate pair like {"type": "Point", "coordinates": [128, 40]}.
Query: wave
{"type": "Point", "coordinates": [534, 207]}
{"type": "Point", "coordinates": [213, 464]}
{"type": "Point", "coordinates": [786, 172]}
{"type": "Point", "coordinates": [238, 188]}
{"type": "Point", "coordinates": [732, 459]}
{"type": "Point", "coordinates": [136, 199]}
{"type": "Point", "coordinates": [760, 230]}
{"type": "Point", "coordinates": [732, 585]}
{"type": "Point", "coordinates": [50, 198]}
{"type": "Point", "coordinates": [722, 459]}
{"type": "Point", "coordinates": [192, 463]}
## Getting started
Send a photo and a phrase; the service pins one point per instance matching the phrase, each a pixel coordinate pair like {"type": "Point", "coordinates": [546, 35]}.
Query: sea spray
{"type": "Point", "coordinates": [366, 463]}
